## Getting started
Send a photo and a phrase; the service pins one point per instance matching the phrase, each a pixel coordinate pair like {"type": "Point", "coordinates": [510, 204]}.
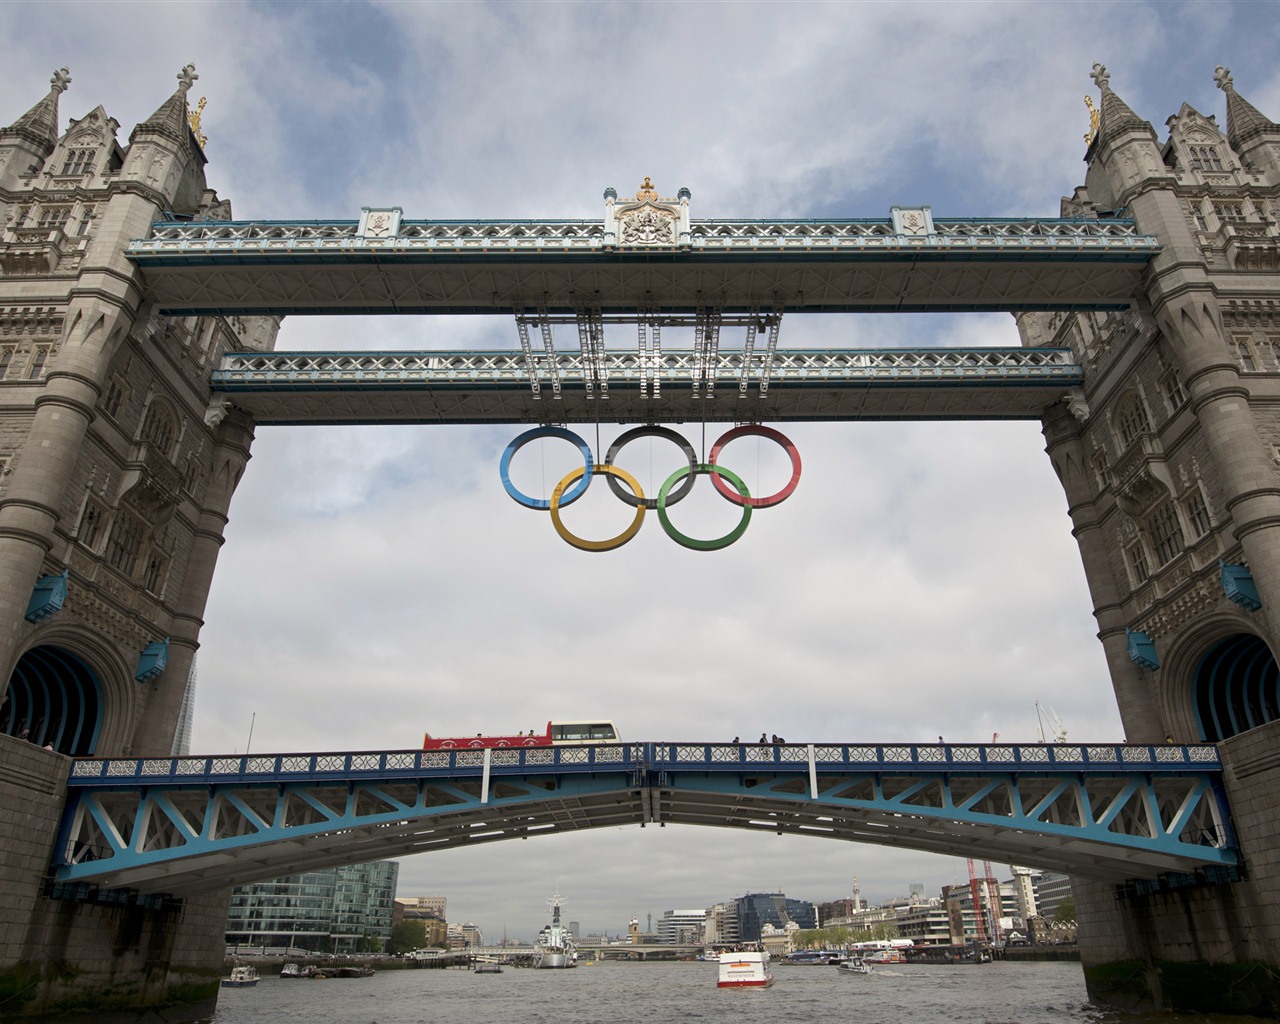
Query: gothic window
{"type": "Point", "coordinates": [1131, 419]}
{"type": "Point", "coordinates": [125, 542]}
{"type": "Point", "coordinates": [6, 357]}
{"type": "Point", "coordinates": [39, 356]}
{"type": "Point", "coordinates": [154, 575]}
{"type": "Point", "coordinates": [159, 428]}
{"type": "Point", "coordinates": [93, 524]}
{"type": "Point", "coordinates": [1198, 215]}
{"type": "Point", "coordinates": [1197, 513]}
{"type": "Point", "coordinates": [1229, 213]}
{"type": "Point", "coordinates": [52, 217]}
{"type": "Point", "coordinates": [192, 471]}
{"type": "Point", "coordinates": [86, 221]}
{"type": "Point", "coordinates": [1244, 352]}
{"type": "Point", "coordinates": [1273, 344]}
{"type": "Point", "coordinates": [1166, 532]}
{"type": "Point", "coordinates": [79, 161]}
{"type": "Point", "coordinates": [1174, 393]}
{"type": "Point", "coordinates": [112, 400]}
{"type": "Point", "coordinates": [1205, 158]}
{"type": "Point", "coordinates": [1137, 562]}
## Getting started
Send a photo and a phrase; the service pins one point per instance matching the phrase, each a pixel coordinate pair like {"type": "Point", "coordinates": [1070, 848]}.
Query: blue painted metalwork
{"type": "Point", "coordinates": [574, 493]}
{"type": "Point", "coordinates": [47, 597]}
{"type": "Point", "coordinates": [152, 661]}
{"type": "Point", "coordinates": [1142, 649]}
{"type": "Point", "coordinates": [180, 824]}
{"type": "Point", "coordinates": [1238, 585]}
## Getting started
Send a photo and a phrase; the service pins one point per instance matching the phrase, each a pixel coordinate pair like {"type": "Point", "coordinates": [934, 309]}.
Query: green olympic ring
{"type": "Point", "coordinates": [704, 468]}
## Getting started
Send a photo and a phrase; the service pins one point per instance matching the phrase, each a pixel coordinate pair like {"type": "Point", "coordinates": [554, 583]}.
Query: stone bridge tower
{"type": "Point", "coordinates": [115, 481]}
{"type": "Point", "coordinates": [1170, 460]}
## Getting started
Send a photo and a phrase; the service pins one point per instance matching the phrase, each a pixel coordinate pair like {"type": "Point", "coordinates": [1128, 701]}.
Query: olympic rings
{"type": "Point", "coordinates": [773, 435]}
{"type": "Point", "coordinates": [651, 431]}
{"type": "Point", "coordinates": [705, 545]}
{"type": "Point", "coordinates": [598, 545]}
{"type": "Point", "coordinates": [676, 487]}
{"type": "Point", "coordinates": [504, 467]}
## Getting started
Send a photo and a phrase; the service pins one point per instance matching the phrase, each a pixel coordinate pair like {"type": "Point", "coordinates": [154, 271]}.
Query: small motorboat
{"type": "Point", "coordinates": [241, 977]}
{"type": "Point", "coordinates": [855, 965]}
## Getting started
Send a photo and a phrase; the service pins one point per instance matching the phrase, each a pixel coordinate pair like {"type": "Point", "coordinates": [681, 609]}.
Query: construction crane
{"type": "Point", "coordinates": [1057, 730]}
{"type": "Point", "coordinates": [975, 895]}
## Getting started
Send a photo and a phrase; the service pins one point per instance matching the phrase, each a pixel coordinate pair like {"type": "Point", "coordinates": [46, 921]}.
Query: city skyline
{"type": "Point", "coordinates": [376, 583]}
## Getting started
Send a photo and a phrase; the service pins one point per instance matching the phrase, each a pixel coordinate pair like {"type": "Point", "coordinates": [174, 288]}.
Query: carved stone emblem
{"type": "Point", "coordinates": [647, 225]}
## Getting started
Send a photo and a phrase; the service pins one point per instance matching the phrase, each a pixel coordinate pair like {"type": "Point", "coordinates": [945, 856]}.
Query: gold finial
{"type": "Point", "coordinates": [647, 191]}
{"type": "Point", "coordinates": [1094, 115]}
{"type": "Point", "coordinates": [193, 119]}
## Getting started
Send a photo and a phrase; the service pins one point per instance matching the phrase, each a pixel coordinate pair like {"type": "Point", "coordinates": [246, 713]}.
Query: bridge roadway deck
{"type": "Point", "coordinates": [290, 267]}
{"type": "Point", "coordinates": [192, 824]}
{"type": "Point", "coordinates": [636, 387]}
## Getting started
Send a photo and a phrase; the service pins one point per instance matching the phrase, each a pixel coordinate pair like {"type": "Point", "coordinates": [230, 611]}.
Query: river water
{"type": "Point", "coordinates": [678, 993]}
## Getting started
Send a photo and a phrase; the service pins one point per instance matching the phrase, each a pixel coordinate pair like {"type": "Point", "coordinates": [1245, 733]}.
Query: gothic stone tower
{"type": "Point", "coordinates": [115, 479]}
{"type": "Point", "coordinates": [1169, 461]}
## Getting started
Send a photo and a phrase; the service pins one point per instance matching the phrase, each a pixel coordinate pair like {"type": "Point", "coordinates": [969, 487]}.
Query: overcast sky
{"type": "Point", "coordinates": [377, 581]}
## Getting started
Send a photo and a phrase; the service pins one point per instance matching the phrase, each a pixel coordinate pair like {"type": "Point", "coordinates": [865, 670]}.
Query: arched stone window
{"type": "Point", "coordinates": [160, 428]}
{"type": "Point", "coordinates": [1131, 419]}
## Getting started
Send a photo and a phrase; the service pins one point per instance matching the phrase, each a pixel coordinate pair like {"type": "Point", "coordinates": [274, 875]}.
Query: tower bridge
{"type": "Point", "coordinates": [138, 321]}
{"type": "Point", "coordinates": [191, 824]}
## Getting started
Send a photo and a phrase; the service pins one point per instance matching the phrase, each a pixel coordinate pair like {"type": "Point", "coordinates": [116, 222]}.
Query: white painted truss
{"type": "Point", "coordinates": [283, 267]}
{"type": "Point", "coordinates": [538, 384]}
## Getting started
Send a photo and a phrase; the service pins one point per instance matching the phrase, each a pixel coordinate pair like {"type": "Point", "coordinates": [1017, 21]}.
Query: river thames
{"type": "Point", "coordinates": [610, 993]}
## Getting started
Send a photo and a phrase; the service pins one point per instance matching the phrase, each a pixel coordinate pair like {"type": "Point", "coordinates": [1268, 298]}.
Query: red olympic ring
{"type": "Point", "coordinates": [768, 500]}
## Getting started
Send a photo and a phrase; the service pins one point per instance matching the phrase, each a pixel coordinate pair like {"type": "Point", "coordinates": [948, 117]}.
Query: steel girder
{"type": "Point", "coordinates": [531, 386]}
{"type": "Point", "coordinates": [186, 825]}
{"type": "Point", "coordinates": [282, 268]}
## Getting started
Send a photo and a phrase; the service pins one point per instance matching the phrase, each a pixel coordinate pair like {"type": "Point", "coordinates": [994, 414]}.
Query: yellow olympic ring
{"type": "Point", "coordinates": [597, 545]}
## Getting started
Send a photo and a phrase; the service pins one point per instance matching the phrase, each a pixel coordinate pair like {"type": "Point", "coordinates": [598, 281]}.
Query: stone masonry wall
{"type": "Point", "coordinates": [58, 957]}
{"type": "Point", "coordinates": [1210, 947]}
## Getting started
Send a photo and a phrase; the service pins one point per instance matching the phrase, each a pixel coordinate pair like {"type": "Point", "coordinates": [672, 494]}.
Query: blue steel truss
{"type": "Point", "coordinates": [192, 824]}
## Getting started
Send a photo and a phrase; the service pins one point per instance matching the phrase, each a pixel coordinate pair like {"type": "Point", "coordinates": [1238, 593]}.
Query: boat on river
{"type": "Point", "coordinates": [745, 969]}
{"type": "Point", "coordinates": [241, 977]}
{"type": "Point", "coordinates": [555, 946]}
{"type": "Point", "coordinates": [855, 965]}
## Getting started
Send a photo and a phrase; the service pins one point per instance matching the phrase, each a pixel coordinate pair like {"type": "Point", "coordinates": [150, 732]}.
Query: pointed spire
{"type": "Point", "coordinates": [1244, 120]}
{"type": "Point", "coordinates": [39, 125]}
{"type": "Point", "coordinates": [171, 117]}
{"type": "Point", "coordinates": [1114, 115]}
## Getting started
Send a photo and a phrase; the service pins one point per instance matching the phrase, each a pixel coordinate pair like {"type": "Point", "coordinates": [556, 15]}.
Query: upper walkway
{"type": "Point", "coordinates": [644, 254]}
{"type": "Point", "coordinates": [191, 824]}
{"type": "Point", "coordinates": [645, 385]}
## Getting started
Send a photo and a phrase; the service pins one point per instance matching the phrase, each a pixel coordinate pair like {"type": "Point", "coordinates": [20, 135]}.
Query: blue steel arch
{"type": "Point", "coordinates": [1236, 687]}
{"type": "Point", "coordinates": [183, 825]}
{"type": "Point", "coordinates": [54, 698]}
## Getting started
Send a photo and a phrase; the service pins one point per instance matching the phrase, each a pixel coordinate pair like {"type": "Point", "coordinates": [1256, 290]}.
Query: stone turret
{"type": "Point", "coordinates": [1255, 138]}
{"type": "Point", "coordinates": [25, 144]}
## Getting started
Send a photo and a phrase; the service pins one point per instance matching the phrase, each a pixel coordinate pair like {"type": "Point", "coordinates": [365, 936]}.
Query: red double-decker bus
{"type": "Point", "coordinates": [555, 734]}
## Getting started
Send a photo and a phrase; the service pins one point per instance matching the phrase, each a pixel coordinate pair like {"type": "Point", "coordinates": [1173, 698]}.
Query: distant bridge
{"type": "Point", "coordinates": [192, 824]}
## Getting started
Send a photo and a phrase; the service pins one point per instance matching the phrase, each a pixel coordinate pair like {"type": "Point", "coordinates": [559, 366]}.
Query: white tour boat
{"type": "Point", "coordinates": [854, 965]}
{"type": "Point", "coordinates": [745, 969]}
{"type": "Point", "coordinates": [241, 977]}
{"type": "Point", "coordinates": [555, 947]}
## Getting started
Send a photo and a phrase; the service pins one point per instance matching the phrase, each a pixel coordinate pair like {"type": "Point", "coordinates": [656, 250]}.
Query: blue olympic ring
{"type": "Point", "coordinates": [504, 468]}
